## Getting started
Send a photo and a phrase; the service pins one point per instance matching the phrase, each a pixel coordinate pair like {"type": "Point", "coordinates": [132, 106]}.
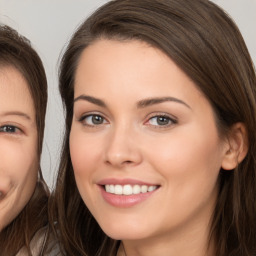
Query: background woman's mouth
{"type": "Point", "coordinates": [1, 195]}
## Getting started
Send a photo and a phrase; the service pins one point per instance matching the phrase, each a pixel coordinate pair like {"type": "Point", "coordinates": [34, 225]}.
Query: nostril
{"type": "Point", "coordinates": [127, 162]}
{"type": "Point", "coordinates": [121, 163]}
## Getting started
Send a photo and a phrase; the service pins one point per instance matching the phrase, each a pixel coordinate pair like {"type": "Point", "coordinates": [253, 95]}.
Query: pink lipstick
{"type": "Point", "coordinates": [126, 193]}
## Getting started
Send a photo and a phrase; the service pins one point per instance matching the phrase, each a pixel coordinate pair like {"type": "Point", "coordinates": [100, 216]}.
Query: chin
{"type": "Point", "coordinates": [121, 232]}
{"type": "Point", "coordinates": [124, 235]}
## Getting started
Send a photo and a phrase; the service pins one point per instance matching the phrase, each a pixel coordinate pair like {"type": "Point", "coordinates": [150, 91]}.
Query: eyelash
{"type": "Point", "coordinates": [10, 129]}
{"type": "Point", "coordinates": [167, 118]}
{"type": "Point", "coordinates": [83, 120]}
{"type": "Point", "coordinates": [171, 120]}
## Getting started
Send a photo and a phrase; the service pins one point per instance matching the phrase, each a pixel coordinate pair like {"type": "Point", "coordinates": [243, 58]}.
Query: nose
{"type": "Point", "coordinates": [122, 148]}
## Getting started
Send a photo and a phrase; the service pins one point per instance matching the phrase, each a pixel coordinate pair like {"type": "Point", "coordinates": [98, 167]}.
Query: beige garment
{"type": "Point", "coordinates": [41, 246]}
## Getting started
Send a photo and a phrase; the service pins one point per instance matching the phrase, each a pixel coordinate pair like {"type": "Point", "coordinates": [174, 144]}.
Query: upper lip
{"type": "Point", "coordinates": [115, 181]}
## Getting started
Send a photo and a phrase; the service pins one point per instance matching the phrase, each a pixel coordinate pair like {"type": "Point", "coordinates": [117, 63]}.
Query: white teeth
{"type": "Point", "coordinates": [136, 189]}
{"type": "Point", "coordinates": [151, 188]}
{"type": "Point", "coordinates": [128, 189]}
{"type": "Point", "coordinates": [144, 189]}
{"type": "Point", "coordinates": [111, 188]}
{"type": "Point", "coordinates": [118, 190]}
{"type": "Point", "coordinates": [107, 188]}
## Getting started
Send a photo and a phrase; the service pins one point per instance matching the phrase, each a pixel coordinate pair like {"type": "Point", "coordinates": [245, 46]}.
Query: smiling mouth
{"type": "Point", "coordinates": [1, 195]}
{"type": "Point", "coordinates": [129, 189]}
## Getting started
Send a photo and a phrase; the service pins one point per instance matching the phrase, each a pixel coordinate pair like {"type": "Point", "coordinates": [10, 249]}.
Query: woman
{"type": "Point", "coordinates": [159, 151]}
{"type": "Point", "coordinates": [23, 192]}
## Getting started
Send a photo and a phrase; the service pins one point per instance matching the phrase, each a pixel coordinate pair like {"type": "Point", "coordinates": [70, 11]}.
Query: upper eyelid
{"type": "Point", "coordinates": [84, 115]}
{"type": "Point", "coordinates": [157, 114]}
{"type": "Point", "coordinates": [9, 124]}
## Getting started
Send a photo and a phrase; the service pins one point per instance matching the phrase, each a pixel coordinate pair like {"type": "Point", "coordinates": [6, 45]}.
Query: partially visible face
{"type": "Point", "coordinates": [18, 145]}
{"type": "Point", "coordinates": [144, 145]}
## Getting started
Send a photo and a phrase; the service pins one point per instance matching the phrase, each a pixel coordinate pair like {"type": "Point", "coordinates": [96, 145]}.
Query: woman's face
{"type": "Point", "coordinates": [18, 145]}
{"type": "Point", "coordinates": [144, 144]}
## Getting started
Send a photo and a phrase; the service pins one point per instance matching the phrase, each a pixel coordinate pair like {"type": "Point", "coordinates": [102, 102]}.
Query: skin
{"type": "Point", "coordinates": [18, 145]}
{"type": "Point", "coordinates": [182, 155]}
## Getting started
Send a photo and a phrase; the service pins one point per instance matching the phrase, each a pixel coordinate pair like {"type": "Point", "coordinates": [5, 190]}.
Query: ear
{"type": "Point", "coordinates": [237, 147]}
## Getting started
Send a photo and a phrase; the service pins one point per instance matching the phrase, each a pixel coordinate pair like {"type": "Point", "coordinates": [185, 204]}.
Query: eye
{"type": "Point", "coordinates": [9, 129]}
{"type": "Point", "coordinates": [93, 120]}
{"type": "Point", "coordinates": [161, 120]}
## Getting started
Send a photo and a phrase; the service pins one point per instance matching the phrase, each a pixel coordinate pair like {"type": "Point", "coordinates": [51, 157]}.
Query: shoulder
{"type": "Point", "coordinates": [43, 243]}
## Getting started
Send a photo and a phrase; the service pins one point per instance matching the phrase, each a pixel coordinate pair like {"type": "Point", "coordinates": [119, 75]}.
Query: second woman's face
{"type": "Point", "coordinates": [144, 144]}
{"type": "Point", "coordinates": [18, 145]}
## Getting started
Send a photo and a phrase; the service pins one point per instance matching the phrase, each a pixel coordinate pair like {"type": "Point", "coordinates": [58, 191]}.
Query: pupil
{"type": "Point", "coordinates": [9, 129]}
{"type": "Point", "coordinates": [97, 119]}
{"type": "Point", "coordinates": [162, 120]}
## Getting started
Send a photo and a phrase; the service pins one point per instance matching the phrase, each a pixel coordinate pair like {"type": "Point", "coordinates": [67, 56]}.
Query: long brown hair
{"type": "Point", "coordinates": [206, 44]}
{"type": "Point", "coordinates": [16, 51]}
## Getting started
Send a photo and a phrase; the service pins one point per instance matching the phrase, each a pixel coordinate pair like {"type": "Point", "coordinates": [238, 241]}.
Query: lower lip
{"type": "Point", "coordinates": [124, 201]}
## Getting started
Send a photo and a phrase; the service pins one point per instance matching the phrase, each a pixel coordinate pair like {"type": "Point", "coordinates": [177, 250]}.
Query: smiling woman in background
{"type": "Point", "coordinates": [23, 192]}
{"type": "Point", "coordinates": [159, 153]}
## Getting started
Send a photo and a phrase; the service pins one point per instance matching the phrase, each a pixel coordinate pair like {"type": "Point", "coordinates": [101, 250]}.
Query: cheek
{"type": "Point", "coordinates": [84, 158]}
{"type": "Point", "coordinates": [188, 158]}
{"type": "Point", "coordinates": [84, 152]}
{"type": "Point", "coordinates": [19, 170]}
{"type": "Point", "coordinates": [189, 168]}
{"type": "Point", "coordinates": [24, 173]}
{"type": "Point", "coordinates": [19, 161]}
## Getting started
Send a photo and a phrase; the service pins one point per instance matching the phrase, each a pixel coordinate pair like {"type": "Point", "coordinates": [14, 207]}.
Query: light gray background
{"type": "Point", "coordinates": [49, 25]}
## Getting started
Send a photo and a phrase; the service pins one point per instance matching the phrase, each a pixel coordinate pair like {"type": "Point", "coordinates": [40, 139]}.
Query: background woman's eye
{"type": "Point", "coordinates": [9, 129]}
{"type": "Point", "coordinates": [161, 121]}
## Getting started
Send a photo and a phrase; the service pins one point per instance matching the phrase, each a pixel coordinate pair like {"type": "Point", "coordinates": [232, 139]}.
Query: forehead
{"type": "Point", "coordinates": [14, 91]}
{"type": "Point", "coordinates": [128, 64]}
{"type": "Point", "coordinates": [117, 59]}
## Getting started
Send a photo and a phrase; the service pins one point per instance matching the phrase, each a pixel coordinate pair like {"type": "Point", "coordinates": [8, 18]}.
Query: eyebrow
{"type": "Point", "coordinates": [158, 100]}
{"type": "Point", "coordinates": [141, 104]}
{"type": "Point", "coordinates": [91, 99]}
{"type": "Point", "coordinates": [17, 113]}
